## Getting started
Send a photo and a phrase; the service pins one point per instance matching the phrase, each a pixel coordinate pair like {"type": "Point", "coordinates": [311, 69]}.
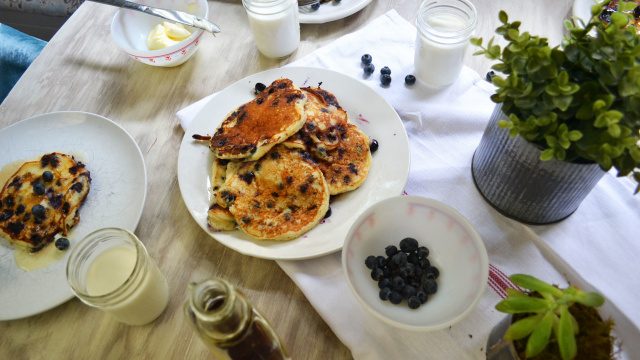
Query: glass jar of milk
{"type": "Point", "coordinates": [275, 26]}
{"type": "Point", "coordinates": [112, 271]}
{"type": "Point", "coordinates": [444, 30]}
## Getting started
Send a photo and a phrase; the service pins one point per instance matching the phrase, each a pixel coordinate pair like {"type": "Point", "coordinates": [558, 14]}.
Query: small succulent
{"type": "Point", "coordinates": [546, 310]}
{"type": "Point", "coordinates": [578, 102]}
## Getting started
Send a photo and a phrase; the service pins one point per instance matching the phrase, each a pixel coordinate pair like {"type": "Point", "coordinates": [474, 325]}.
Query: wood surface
{"type": "Point", "coordinates": [82, 69]}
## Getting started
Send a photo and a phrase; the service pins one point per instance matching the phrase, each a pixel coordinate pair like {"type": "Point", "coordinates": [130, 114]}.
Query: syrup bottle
{"type": "Point", "coordinates": [229, 325]}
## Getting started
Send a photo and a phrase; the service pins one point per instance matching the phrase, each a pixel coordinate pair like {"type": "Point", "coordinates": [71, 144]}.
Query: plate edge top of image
{"type": "Point", "coordinates": [316, 18]}
{"type": "Point", "coordinates": [293, 72]}
{"type": "Point", "coordinates": [66, 118]}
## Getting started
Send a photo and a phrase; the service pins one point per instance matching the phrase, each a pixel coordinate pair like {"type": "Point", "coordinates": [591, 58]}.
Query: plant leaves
{"type": "Point", "coordinates": [518, 305]}
{"type": "Point", "coordinates": [534, 284]}
{"type": "Point", "coordinates": [539, 338]}
{"type": "Point", "coordinates": [503, 17]}
{"type": "Point", "coordinates": [522, 328]}
{"type": "Point", "coordinates": [565, 335]}
{"type": "Point", "coordinates": [591, 299]}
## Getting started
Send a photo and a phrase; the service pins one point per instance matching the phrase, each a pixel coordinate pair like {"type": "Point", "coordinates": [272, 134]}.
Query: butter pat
{"type": "Point", "coordinates": [166, 34]}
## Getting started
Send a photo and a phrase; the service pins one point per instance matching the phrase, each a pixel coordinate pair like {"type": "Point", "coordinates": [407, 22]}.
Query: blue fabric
{"type": "Point", "coordinates": [17, 51]}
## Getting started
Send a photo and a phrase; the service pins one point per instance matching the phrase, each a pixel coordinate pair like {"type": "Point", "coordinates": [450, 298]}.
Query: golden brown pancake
{"type": "Point", "coordinates": [251, 130]}
{"type": "Point", "coordinates": [220, 219]}
{"type": "Point", "coordinates": [42, 199]}
{"type": "Point", "coordinates": [279, 197]}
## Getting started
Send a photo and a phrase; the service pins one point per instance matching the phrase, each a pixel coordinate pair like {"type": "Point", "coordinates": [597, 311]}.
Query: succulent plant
{"type": "Point", "coordinates": [578, 102]}
{"type": "Point", "coordinates": [546, 310]}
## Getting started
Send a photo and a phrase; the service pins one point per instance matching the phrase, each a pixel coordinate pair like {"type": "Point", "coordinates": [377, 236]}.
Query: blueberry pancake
{"type": "Point", "coordinates": [279, 197]}
{"type": "Point", "coordinates": [252, 129]}
{"type": "Point", "coordinates": [43, 199]}
{"type": "Point", "coordinates": [219, 218]}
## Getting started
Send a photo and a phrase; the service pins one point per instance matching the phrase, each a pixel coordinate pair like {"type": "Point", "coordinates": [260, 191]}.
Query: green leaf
{"type": "Point", "coordinates": [575, 135]}
{"type": "Point", "coordinates": [511, 292]}
{"type": "Point", "coordinates": [518, 305]}
{"type": "Point", "coordinates": [476, 41]}
{"type": "Point", "coordinates": [565, 335]}
{"type": "Point", "coordinates": [546, 155]}
{"type": "Point", "coordinates": [503, 17]}
{"type": "Point", "coordinates": [618, 19]}
{"type": "Point", "coordinates": [614, 130]}
{"type": "Point", "coordinates": [591, 299]}
{"type": "Point", "coordinates": [539, 338]}
{"type": "Point", "coordinates": [534, 284]}
{"type": "Point", "coordinates": [522, 328]}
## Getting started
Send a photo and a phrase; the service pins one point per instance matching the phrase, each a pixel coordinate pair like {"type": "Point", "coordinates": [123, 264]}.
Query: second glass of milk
{"type": "Point", "coordinates": [112, 271]}
{"type": "Point", "coordinates": [275, 26]}
{"type": "Point", "coordinates": [444, 30]}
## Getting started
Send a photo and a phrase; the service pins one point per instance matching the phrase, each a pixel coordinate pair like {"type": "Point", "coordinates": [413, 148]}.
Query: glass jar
{"type": "Point", "coordinates": [229, 325]}
{"type": "Point", "coordinates": [112, 271]}
{"type": "Point", "coordinates": [444, 30]}
{"type": "Point", "coordinates": [275, 26]}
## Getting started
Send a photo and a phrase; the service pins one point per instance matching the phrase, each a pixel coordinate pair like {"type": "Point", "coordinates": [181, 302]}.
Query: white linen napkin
{"type": "Point", "coordinates": [595, 247]}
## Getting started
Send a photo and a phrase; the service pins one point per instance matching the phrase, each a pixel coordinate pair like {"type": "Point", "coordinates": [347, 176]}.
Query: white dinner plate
{"type": "Point", "coordinates": [331, 11]}
{"type": "Point", "coordinates": [387, 177]}
{"type": "Point", "coordinates": [116, 198]}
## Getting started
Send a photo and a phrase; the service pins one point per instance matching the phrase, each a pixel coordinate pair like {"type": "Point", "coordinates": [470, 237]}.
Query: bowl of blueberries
{"type": "Point", "coordinates": [415, 263]}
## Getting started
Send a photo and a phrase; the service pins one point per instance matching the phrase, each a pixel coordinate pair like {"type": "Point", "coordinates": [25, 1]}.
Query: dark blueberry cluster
{"type": "Point", "coordinates": [405, 273]}
{"type": "Point", "coordinates": [385, 72]}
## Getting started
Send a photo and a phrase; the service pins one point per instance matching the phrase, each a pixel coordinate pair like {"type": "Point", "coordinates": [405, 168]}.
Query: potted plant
{"type": "Point", "coordinates": [564, 116]}
{"type": "Point", "coordinates": [547, 322]}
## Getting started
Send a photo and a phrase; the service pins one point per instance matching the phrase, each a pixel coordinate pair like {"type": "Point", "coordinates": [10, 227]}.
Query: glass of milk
{"type": "Point", "coordinates": [444, 29]}
{"type": "Point", "coordinates": [112, 271]}
{"type": "Point", "coordinates": [275, 26]}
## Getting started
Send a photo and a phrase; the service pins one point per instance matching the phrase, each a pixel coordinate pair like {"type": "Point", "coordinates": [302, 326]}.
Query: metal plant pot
{"type": "Point", "coordinates": [509, 174]}
{"type": "Point", "coordinates": [497, 347]}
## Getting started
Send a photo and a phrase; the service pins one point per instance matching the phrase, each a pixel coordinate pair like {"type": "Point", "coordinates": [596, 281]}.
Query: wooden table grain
{"type": "Point", "coordinates": [82, 69]}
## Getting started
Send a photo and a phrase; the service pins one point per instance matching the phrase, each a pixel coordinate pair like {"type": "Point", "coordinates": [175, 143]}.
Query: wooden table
{"type": "Point", "coordinates": [82, 69]}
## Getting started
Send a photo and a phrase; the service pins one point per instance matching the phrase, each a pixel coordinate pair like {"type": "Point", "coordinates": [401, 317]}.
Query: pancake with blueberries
{"type": "Point", "coordinates": [219, 218]}
{"type": "Point", "coordinates": [43, 199]}
{"type": "Point", "coordinates": [251, 130]}
{"type": "Point", "coordinates": [279, 197]}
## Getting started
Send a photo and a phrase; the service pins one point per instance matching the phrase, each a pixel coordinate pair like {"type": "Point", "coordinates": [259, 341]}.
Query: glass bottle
{"type": "Point", "coordinates": [444, 30]}
{"type": "Point", "coordinates": [275, 26]}
{"type": "Point", "coordinates": [229, 325]}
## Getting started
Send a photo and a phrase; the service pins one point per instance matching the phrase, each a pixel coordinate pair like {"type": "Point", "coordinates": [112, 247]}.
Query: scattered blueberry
{"type": "Point", "coordinates": [38, 211]}
{"type": "Point", "coordinates": [366, 59]}
{"type": "Point", "coordinates": [62, 244]}
{"type": "Point", "coordinates": [373, 146]}
{"type": "Point", "coordinates": [369, 69]}
{"type": "Point", "coordinates": [315, 6]}
{"type": "Point", "coordinates": [259, 88]}
{"type": "Point", "coordinates": [490, 75]}
{"type": "Point", "coordinates": [409, 79]}
{"type": "Point", "coordinates": [385, 71]}
{"type": "Point", "coordinates": [385, 79]}
{"type": "Point", "coordinates": [47, 176]}
{"type": "Point", "coordinates": [38, 188]}
{"type": "Point", "coordinates": [370, 261]}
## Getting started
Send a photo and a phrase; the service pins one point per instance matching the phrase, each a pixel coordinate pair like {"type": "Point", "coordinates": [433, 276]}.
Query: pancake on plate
{"type": "Point", "coordinates": [43, 199]}
{"type": "Point", "coordinates": [251, 130]}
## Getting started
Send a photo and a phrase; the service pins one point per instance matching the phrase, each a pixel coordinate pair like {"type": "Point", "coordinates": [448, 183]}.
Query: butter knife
{"type": "Point", "coordinates": [173, 15]}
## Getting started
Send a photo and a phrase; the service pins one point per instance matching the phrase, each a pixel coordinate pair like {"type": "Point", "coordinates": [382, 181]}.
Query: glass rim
{"type": "Point", "coordinates": [462, 34]}
{"type": "Point", "coordinates": [196, 303]}
{"type": "Point", "coordinates": [265, 7]}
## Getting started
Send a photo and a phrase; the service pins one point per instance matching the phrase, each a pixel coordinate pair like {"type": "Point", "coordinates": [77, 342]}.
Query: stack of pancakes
{"type": "Point", "coordinates": [278, 159]}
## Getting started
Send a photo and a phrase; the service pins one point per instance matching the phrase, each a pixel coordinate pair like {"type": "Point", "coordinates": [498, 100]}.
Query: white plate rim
{"type": "Point", "coordinates": [138, 215]}
{"type": "Point", "coordinates": [251, 79]}
{"type": "Point", "coordinates": [319, 18]}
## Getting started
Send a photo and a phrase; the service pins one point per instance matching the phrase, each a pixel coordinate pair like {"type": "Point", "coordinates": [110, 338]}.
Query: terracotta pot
{"type": "Point", "coordinates": [509, 174]}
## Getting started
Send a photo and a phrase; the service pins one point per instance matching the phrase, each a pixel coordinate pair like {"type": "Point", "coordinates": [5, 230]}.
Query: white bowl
{"type": "Point", "coordinates": [129, 30]}
{"type": "Point", "coordinates": [455, 249]}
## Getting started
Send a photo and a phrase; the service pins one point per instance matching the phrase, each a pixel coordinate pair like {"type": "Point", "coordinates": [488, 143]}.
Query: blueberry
{"type": "Point", "coordinates": [376, 274]}
{"type": "Point", "coordinates": [47, 176]}
{"type": "Point", "coordinates": [381, 261]}
{"type": "Point", "coordinates": [38, 188]}
{"type": "Point", "coordinates": [408, 291]}
{"type": "Point", "coordinates": [369, 69]}
{"type": "Point", "coordinates": [315, 6]}
{"type": "Point", "coordinates": [395, 297]}
{"type": "Point", "coordinates": [408, 245]}
{"type": "Point", "coordinates": [20, 209]}
{"type": "Point", "coordinates": [490, 75]}
{"type": "Point", "coordinates": [412, 258]}
{"type": "Point", "coordinates": [424, 263]}
{"type": "Point", "coordinates": [398, 283]}
{"type": "Point", "coordinates": [418, 271]}
{"type": "Point", "coordinates": [422, 296]}
{"type": "Point", "coordinates": [385, 282]}
{"type": "Point", "coordinates": [606, 15]}
{"type": "Point", "coordinates": [385, 293]}
{"type": "Point", "coordinates": [407, 271]}
{"type": "Point", "coordinates": [409, 79]}
{"type": "Point", "coordinates": [413, 302]}
{"type": "Point", "coordinates": [370, 262]}
{"type": "Point", "coordinates": [636, 12]}
{"type": "Point", "coordinates": [385, 79]}
{"type": "Point", "coordinates": [385, 71]}
{"type": "Point", "coordinates": [62, 244]}
{"type": "Point", "coordinates": [38, 211]}
{"type": "Point", "coordinates": [433, 272]}
{"type": "Point", "coordinates": [430, 287]}
{"type": "Point", "coordinates": [423, 251]}
{"type": "Point", "coordinates": [391, 250]}
{"type": "Point", "coordinates": [366, 59]}
{"type": "Point", "coordinates": [399, 259]}
{"type": "Point", "coordinates": [373, 146]}
{"type": "Point", "coordinates": [337, 1]}
{"type": "Point", "coordinates": [8, 201]}
{"type": "Point", "coordinates": [259, 88]}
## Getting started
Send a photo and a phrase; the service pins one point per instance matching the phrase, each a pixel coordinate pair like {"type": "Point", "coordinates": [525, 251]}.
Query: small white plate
{"type": "Point", "coordinates": [387, 177]}
{"type": "Point", "coordinates": [332, 11]}
{"type": "Point", "coordinates": [116, 198]}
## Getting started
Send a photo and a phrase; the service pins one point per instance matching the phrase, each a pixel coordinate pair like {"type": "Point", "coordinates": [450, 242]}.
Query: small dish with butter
{"type": "Point", "coordinates": [154, 41]}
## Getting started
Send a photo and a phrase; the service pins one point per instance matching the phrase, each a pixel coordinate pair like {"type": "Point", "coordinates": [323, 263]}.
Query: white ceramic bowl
{"type": "Point", "coordinates": [129, 30]}
{"type": "Point", "coordinates": [455, 249]}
